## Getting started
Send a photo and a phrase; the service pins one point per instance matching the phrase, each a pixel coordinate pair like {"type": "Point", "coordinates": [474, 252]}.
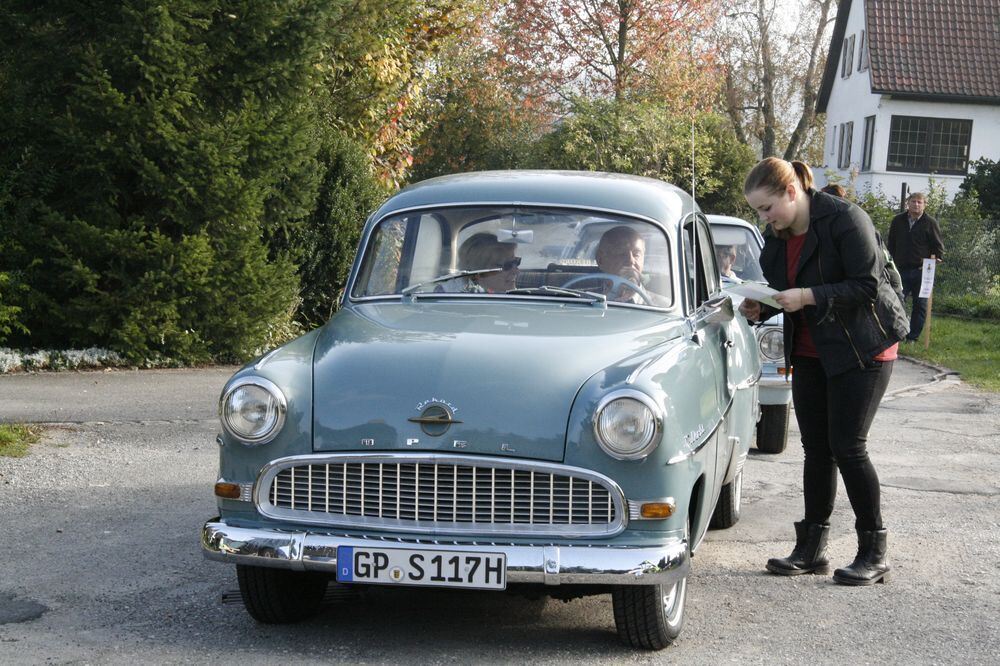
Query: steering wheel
{"type": "Point", "coordinates": [616, 282]}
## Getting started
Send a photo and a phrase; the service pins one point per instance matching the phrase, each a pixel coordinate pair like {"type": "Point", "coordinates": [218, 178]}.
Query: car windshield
{"type": "Point", "coordinates": [503, 251]}
{"type": "Point", "coordinates": [737, 253]}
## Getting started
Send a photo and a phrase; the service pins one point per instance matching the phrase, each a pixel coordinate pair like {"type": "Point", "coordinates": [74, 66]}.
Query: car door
{"type": "Point", "coordinates": [712, 322]}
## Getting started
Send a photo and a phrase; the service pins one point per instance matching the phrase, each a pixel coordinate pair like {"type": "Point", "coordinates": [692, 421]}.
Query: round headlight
{"type": "Point", "coordinates": [627, 425]}
{"type": "Point", "coordinates": [253, 410]}
{"type": "Point", "coordinates": [772, 344]}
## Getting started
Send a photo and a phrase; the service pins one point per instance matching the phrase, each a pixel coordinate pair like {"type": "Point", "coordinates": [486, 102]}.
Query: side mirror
{"type": "Point", "coordinates": [717, 310]}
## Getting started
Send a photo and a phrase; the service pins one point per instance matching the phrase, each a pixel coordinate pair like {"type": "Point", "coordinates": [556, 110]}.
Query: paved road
{"type": "Point", "coordinates": [101, 564]}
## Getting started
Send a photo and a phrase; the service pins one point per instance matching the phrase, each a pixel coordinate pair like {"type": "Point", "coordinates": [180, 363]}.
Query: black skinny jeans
{"type": "Point", "coordinates": [834, 415]}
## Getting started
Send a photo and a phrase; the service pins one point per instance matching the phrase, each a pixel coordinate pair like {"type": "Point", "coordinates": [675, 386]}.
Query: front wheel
{"type": "Point", "coordinates": [649, 617]}
{"type": "Point", "coordinates": [727, 511]}
{"type": "Point", "coordinates": [772, 429]}
{"type": "Point", "coordinates": [279, 596]}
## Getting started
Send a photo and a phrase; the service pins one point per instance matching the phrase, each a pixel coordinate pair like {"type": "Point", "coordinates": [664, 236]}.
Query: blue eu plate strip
{"type": "Point", "coordinates": [345, 563]}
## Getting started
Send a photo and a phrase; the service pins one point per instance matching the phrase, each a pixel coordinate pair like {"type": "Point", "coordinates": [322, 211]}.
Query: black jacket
{"type": "Point", "coordinates": [857, 316]}
{"type": "Point", "coordinates": [909, 247]}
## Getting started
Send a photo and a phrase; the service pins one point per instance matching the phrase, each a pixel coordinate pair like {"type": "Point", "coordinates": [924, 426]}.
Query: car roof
{"type": "Point", "coordinates": [727, 219]}
{"type": "Point", "coordinates": [630, 195]}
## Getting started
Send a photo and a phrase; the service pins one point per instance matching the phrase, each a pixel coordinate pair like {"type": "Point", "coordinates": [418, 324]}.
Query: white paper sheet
{"type": "Point", "coordinates": [756, 291]}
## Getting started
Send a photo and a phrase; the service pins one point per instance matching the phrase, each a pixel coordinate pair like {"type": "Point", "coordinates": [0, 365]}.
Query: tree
{"type": "Point", "coordinates": [984, 185]}
{"type": "Point", "coordinates": [645, 139]}
{"type": "Point", "coordinates": [349, 191]}
{"type": "Point", "coordinates": [374, 72]}
{"type": "Point", "coordinates": [480, 115]}
{"type": "Point", "coordinates": [616, 48]}
{"type": "Point", "coordinates": [151, 153]}
{"type": "Point", "coordinates": [773, 60]}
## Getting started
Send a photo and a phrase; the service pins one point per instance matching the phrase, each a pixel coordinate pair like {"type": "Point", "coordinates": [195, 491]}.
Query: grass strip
{"type": "Point", "coordinates": [970, 347]}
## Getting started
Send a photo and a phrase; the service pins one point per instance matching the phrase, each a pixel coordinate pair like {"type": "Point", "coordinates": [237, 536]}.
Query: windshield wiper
{"type": "Point", "coordinates": [448, 276]}
{"type": "Point", "coordinates": [546, 290]}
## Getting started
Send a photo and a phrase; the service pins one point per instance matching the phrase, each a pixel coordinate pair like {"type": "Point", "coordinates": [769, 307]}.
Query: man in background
{"type": "Point", "coordinates": [914, 236]}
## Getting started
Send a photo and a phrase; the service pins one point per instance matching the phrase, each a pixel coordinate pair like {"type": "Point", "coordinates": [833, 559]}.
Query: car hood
{"type": "Point", "coordinates": [507, 373]}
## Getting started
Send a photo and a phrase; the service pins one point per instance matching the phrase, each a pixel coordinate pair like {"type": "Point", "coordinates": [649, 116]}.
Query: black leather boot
{"type": "Point", "coordinates": [809, 554]}
{"type": "Point", "coordinates": [869, 567]}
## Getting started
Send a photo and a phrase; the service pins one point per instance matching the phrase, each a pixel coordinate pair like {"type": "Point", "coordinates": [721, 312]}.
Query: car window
{"type": "Point", "coordinates": [495, 250]}
{"type": "Point", "coordinates": [743, 244]}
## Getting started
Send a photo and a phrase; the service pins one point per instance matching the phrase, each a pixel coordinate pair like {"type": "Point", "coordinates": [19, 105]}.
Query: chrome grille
{"type": "Point", "coordinates": [441, 494]}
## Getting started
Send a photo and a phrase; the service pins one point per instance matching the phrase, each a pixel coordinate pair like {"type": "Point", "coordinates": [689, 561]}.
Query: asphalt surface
{"type": "Point", "coordinates": [101, 562]}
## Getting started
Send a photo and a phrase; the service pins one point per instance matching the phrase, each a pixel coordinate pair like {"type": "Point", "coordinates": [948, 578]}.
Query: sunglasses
{"type": "Point", "coordinates": [511, 264]}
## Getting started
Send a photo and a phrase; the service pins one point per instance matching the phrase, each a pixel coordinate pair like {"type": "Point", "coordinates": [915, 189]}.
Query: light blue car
{"type": "Point", "coordinates": [732, 234]}
{"type": "Point", "coordinates": [493, 408]}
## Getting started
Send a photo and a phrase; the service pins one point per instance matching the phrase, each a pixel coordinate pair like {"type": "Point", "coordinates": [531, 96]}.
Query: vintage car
{"type": "Point", "coordinates": [732, 234]}
{"type": "Point", "coordinates": [487, 412]}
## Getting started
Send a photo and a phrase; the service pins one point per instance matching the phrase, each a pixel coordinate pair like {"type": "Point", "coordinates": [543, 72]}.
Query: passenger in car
{"type": "Point", "coordinates": [726, 256]}
{"type": "Point", "coordinates": [483, 251]}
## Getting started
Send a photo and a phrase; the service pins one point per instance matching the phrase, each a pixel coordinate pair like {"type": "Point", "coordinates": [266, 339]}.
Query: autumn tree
{"type": "Point", "coordinates": [772, 54]}
{"type": "Point", "coordinates": [375, 70]}
{"type": "Point", "coordinates": [609, 48]}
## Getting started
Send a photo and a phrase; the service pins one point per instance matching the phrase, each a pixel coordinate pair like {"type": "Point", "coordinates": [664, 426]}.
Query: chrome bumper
{"type": "Point", "coordinates": [549, 565]}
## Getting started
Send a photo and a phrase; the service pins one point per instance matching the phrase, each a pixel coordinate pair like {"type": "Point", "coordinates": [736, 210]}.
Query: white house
{"type": "Point", "coordinates": [911, 92]}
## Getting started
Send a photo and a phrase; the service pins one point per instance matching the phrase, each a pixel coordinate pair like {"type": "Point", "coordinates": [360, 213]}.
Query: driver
{"type": "Point", "coordinates": [622, 251]}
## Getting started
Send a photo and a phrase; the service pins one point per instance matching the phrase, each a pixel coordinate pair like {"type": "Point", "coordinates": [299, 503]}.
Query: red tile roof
{"type": "Point", "coordinates": [929, 49]}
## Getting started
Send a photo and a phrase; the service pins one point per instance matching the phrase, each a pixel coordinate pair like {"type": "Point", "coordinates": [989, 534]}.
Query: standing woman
{"type": "Point", "coordinates": [843, 324]}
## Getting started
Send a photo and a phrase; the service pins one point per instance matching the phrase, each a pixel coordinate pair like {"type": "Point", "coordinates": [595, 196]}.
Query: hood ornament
{"type": "Point", "coordinates": [435, 419]}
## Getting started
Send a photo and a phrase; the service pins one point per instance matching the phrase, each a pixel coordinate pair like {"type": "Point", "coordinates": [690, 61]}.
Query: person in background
{"type": "Point", "coordinates": [823, 258]}
{"type": "Point", "coordinates": [725, 255]}
{"type": "Point", "coordinates": [483, 251]}
{"type": "Point", "coordinates": [914, 236]}
{"type": "Point", "coordinates": [836, 190]}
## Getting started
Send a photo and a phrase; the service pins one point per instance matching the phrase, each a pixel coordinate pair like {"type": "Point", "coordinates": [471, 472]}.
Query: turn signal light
{"type": "Point", "coordinates": [656, 510]}
{"type": "Point", "coordinates": [227, 490]}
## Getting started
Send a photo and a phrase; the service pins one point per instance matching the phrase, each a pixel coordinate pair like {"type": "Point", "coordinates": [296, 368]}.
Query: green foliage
{"type": "Point", "coordinates": [967, 283]}
{"type": "Point", "coordinates": [476, 124]}
{"type": "Point", "coordinates": [15, 439]}
{"type": "Point", "coordinates": [349, 192]}
{"type": "Point", "coordinates": [157, 157]}
{"type": "Point", "coordinates": [984, 185]}
{"type": "Point", "coordinates": [646, 139]}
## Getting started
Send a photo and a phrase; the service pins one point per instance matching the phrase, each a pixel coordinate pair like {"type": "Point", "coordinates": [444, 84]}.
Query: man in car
{"type": "Point", "coordinates": [622, 252]}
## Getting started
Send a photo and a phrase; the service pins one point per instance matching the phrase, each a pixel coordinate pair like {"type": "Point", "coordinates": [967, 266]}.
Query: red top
{"type": "Point", "coordinates": [802, 343]}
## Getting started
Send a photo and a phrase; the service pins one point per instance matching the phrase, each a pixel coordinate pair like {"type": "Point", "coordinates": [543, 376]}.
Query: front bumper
{"type": "Point", "coordinates": [774, 389]}
{"type": "Point", "coordinates": [666, 563]}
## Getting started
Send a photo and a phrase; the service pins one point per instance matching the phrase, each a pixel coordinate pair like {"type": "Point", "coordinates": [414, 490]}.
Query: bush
{"type": "Point", "coordinates": [645, 139]}
{"type": "Point", "coordinates": [155, 157]}
{"type": "Point", "coordinates": [349, 192]}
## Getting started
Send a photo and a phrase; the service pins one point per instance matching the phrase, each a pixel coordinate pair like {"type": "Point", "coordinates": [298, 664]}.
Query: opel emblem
{"type": "Point", "coordinates": [435, 420]}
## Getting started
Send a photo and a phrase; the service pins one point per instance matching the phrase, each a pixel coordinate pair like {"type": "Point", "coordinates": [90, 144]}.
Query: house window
{"type": "Point", "coordinates": [929, 145]}
{"type": "Point", "coordinates": [846, 135]}
{"type": "Point", "coordinates": [863, 52]}
{"type": "Point", "coordinates": [866, 154]}
{"type": "Point", "coordinates": [847, 57]}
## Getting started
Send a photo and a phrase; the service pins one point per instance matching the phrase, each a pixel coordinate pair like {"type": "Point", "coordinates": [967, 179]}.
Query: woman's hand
{"type": "Point", "coordinates": [793, 300]}
{"type": "Point", "coordinates": [750, 309]}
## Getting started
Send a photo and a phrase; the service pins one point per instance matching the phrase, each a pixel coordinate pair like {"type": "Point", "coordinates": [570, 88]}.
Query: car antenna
{"type": "Point", "coordinates": [694, 217]}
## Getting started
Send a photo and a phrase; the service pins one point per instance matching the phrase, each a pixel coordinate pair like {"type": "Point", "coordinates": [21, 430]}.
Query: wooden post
{"type": "Point", "coordinates": [927, 322]}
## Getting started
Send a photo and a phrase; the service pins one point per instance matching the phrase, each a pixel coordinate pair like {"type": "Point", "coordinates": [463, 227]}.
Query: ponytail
{"type": "Point", "coordinates": [776, 174]}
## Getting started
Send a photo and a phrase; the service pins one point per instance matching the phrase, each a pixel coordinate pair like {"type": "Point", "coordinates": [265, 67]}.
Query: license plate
{"type": "Point", "coordinates": [443, 568]}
